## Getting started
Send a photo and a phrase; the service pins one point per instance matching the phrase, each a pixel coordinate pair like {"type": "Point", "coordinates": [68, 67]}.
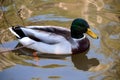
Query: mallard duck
{"type": "Point", "coordinates": [54, 39]}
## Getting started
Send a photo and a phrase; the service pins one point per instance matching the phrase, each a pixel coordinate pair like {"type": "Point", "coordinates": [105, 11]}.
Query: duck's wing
{"type": "Point", "coordinates": [53, 30]}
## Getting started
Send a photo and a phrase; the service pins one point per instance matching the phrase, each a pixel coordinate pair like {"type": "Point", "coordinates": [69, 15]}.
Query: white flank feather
{"type": "Point", "coordinates": [62, 47]}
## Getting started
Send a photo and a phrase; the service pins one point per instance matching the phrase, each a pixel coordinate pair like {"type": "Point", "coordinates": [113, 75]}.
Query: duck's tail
{"type": "Point", "coordinates": [17, 31]}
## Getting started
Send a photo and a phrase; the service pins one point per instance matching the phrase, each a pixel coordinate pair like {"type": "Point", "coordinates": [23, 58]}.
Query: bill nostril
{"type": "Point", "coordinates": [97, 37]}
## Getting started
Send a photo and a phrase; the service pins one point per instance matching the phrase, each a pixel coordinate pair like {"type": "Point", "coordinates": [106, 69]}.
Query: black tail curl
{"type": "Point", "coordinates": [18, 30]}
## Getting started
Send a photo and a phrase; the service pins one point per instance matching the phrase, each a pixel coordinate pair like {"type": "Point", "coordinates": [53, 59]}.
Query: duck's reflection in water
{"type": "Point", "coordinates": [82, 62]}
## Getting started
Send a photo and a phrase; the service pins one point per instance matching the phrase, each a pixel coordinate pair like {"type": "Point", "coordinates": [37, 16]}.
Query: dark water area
{"type": "Point", "coordinates": [100, 62]}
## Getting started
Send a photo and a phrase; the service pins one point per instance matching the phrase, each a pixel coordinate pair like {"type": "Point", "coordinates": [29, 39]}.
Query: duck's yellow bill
{"type": "Point", "coordinates": [91, 34]}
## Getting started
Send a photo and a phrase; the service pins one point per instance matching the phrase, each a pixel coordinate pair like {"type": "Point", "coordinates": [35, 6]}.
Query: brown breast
{"type": "Point", "coordinates": [84, 45]}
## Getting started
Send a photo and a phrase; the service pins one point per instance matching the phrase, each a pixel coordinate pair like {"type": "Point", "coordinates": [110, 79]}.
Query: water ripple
{"type": "Point", "coordinates": [49, 17]}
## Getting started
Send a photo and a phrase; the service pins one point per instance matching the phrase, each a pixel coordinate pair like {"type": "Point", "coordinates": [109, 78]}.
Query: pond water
{"type": "Point", "coordinates": [103, 17]}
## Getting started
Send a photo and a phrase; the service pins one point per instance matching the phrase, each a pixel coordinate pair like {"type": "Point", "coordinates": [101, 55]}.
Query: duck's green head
{"type": "Point", "coordinates": [79, 27]}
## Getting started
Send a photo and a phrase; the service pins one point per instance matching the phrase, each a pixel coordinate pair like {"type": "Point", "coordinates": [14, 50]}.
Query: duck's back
{"type": "Point", "coordinates": [54, 30]}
